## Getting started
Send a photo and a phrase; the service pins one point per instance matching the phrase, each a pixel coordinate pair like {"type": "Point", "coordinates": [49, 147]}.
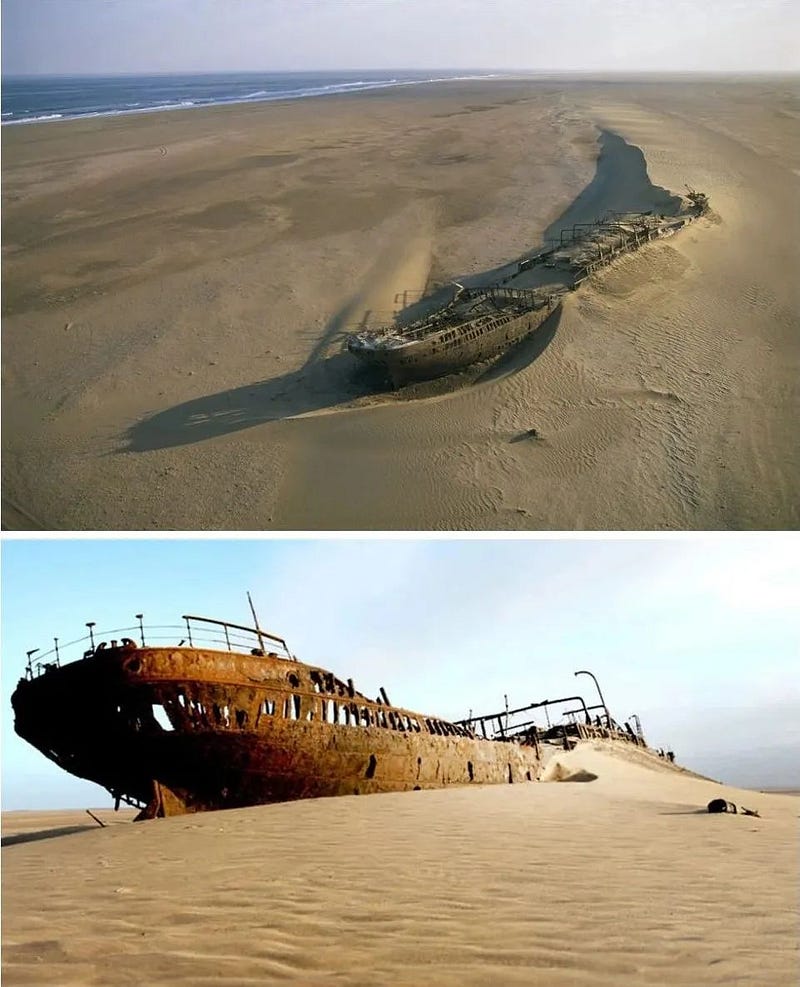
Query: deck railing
{"type": "Point", "coordinates": [194, 632]}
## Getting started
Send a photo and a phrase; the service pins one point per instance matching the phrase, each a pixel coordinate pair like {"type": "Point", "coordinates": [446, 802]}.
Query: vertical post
{"type": "Point", "coordinates": [139, 617]}
{"type": "Point", "coordinates": [599, 693]}
{"type": "Point", "coordinates": [90, 624]}
{"type": "Point", "coordinates": [227, 639]}
{"type": "Point", "coordinates": [255, 619]}
{"type": "Point", "coordinates": [29, 667]}
{"type": "Point", "coordinates": [58, 656]}
{"type": "Point", "coordinates": [189, 632]}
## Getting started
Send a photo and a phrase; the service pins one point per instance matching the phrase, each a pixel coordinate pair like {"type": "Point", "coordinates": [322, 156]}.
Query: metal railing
{"type": "Point", "coordinates": [506, 722]}
{"type": "Point", "coordinates": [194, 632]}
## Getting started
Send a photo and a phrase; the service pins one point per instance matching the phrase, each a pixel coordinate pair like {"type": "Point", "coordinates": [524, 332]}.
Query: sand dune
{"type": "Point", "coordinates": [625, 879]}
{"type": "Point", "coordinates": [181, 316]}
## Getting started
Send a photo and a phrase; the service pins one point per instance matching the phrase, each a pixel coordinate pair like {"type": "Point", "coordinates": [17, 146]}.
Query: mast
{"type": "Point", "coordinates": [255, 621]}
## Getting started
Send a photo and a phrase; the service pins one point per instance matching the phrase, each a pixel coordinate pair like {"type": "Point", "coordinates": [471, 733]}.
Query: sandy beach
{"type": "Point", "coordinates": [177, 286]}
{"type": "Point", "coordinates": [625, 879]}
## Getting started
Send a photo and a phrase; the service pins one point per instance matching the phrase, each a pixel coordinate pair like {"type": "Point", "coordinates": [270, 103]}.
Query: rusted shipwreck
{"type": "Point", "coordinates": [227, 717]}
{"type": "Point", "coordinates": [475, 323]}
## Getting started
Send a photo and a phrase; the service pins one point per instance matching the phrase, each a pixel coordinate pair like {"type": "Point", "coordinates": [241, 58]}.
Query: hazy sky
{"type": "Point", "coordinates": [699, 637]}
{"type": "Point", "coordinates": [113, 36]}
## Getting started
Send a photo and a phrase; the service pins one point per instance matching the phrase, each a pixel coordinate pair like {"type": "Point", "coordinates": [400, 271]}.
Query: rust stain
{"type": "Point", "coordinates": [186, 729]}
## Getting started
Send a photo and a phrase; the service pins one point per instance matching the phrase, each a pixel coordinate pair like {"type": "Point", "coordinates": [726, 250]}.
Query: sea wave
{"type": "Point", "coordinates": [39, 119]}
{"type": "Point", "coordinates": [260, 95]}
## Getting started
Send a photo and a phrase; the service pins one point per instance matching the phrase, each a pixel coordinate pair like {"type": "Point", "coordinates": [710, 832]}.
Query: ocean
{"type": "Point", "coordinates": [36, 98]}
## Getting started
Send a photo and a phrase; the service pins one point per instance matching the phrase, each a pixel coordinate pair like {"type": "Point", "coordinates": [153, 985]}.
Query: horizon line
{"type": "Point", "coordinates": [749, 71]}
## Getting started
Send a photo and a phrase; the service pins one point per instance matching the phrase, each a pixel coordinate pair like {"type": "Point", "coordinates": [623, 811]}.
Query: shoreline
{"type": "Point", "coordinates": [610, 78]}
{"type": "Point", "coordinates": [340, 89]}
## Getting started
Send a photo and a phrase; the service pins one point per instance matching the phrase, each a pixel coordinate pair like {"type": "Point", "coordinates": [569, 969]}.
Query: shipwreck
{"type": "Point", "coordinates": [480, 322]}
{"type": "Point", "coordinates": [213, 715]}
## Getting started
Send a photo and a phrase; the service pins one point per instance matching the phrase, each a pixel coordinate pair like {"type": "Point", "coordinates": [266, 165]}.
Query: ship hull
{"type": "Point", "coordinates": [184, 730]}
{"type": "Point", "coordinates": [427, 359]}
{"type": "Point", "coordinates": [404, 356]}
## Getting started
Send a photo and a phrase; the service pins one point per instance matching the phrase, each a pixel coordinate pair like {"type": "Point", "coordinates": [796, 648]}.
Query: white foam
{"type": "Point", "coordinates": [264, 96]}
{"type": "Point", "coordinates": [45, 116]}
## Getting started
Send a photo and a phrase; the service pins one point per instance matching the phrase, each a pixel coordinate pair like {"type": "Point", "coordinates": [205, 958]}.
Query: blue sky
{"type": "Point", "coordinates": [113, 36]}
{"type": "Point", "coordinates": [698, 636]}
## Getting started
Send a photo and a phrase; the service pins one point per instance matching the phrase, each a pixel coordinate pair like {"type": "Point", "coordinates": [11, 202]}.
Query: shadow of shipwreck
{"type": "Point", "coordinates": [316, 387]}
{"type": "Point", "coordinates": [44, 834]}
{"type": "Point", "coordinates": [620, 183]}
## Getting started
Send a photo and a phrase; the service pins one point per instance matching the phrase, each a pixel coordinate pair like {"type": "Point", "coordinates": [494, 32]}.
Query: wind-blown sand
{"type": "Point", "coordinates": [622, 880]}
{"type": "Point", "coordinates": [177, 287]}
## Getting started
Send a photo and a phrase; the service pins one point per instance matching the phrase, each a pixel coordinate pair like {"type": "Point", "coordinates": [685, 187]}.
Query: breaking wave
{"type": "Point", "coordinates": [37, 100]}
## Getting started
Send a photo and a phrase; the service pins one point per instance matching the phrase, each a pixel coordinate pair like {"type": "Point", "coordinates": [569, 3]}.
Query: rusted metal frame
{"type": "Point", "coordinates": [60, 648]}
{"type": "Point", "coordinates": [38, 665]}
{"type": "Point", "coordinates": [509, 293]}
{"type": "Point", "coordinates": [571, 233]}
{"type": "Point", "coordinates": [599, 692]}
{"type": "Point", "coordinates": [255, 619]}
{"type": "Point", "coordinates": [575, 232]}
{"type": "Point", "coordinates": [29, 664]}
{"type": "Point", "coordinates": [354, 704]}
{"type": "Point", "coordinates": [522, 709]}
{"type": "Point", "coordinates": [501, 730]}
{"type": "Point", "coordinates": [520, 728]}
{"type": "Point", "coordinates": [222, 694]}
{"type": "Point", "coordinates": [586, 709]}
{"type": "Point", "coordinates": [237, 627]}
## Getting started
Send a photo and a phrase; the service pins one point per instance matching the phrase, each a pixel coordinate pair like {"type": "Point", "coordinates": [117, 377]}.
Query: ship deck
{"type": "Point", "coordinates": [579, 251]}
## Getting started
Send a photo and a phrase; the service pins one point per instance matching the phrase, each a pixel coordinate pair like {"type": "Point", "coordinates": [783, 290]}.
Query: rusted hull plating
{"type": "Point", "coordinates": [426, 359]}
{"type": "Point", "coordinates": [184, 730]}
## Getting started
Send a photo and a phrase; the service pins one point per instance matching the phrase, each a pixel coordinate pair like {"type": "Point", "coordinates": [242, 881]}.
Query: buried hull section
{"type": "Point", "coordinates": [183, 730]}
